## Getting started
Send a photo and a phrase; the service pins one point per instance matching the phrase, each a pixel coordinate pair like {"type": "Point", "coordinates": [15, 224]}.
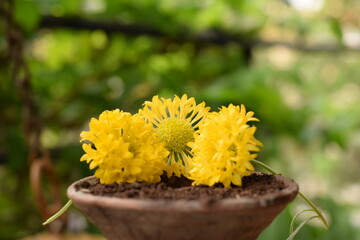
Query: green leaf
{"type": "Point", "coordinates": [27, 14]}
{"type": "Point", "coordinates": [335, 28]}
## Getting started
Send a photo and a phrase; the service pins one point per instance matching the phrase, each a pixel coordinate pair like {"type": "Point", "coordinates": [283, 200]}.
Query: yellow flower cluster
{"type": "Point", "coordinates": [175, 136]}
{"type": "Point", "coordinates": [124, 148]}
{"type": "Point", "coordinates": [224, 147]}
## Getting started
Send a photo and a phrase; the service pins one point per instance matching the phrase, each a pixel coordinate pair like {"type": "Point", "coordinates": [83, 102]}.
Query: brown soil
{"type": "Point", "coordinates": [180, 188]}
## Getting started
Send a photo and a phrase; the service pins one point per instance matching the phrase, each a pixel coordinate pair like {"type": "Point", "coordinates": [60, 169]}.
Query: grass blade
{"type": "Point", "coordinates": [291, 230]}
{"type": "Point", "coordinates": [293, 234]}
{"type": "Point", "coordinates": [58, 214]}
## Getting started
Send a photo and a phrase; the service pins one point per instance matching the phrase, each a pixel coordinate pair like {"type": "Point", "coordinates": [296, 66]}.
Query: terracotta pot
{"type": "Point", "coordinates": [240, 218]}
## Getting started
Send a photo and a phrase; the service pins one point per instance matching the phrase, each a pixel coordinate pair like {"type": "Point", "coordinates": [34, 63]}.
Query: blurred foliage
{"type": "Point", "coordinates": [307, 101]}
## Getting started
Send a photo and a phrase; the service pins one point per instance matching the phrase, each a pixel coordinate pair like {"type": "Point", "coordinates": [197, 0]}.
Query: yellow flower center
{"type": "Point", "coordinates": [176, 133]}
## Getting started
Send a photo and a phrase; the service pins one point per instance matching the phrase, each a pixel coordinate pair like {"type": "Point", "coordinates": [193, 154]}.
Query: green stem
{"type": "Point", "coordinates": [291, 230]}
{"type": "Point", "coordinates": [293, 234]}
{"type": "Point", "coordinates": [59, 213]}
{"type": "Point", "coordinates": [269, 169]}
{"type": "Point", "coordinates": [310, 203]}
{"type": "Point", "coordinates": [319, 213]}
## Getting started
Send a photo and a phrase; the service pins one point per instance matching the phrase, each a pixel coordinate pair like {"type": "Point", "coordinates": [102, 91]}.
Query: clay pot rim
{"type": "Point", "coordinates": [285, 195]}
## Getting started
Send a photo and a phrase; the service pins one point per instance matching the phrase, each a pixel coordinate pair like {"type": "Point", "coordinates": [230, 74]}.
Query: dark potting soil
{"type": "Point", "coordinates": [180, 188]}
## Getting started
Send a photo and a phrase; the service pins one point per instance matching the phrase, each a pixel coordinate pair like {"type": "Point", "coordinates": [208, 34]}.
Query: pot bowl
{"type": "Point", "coordinates": [241, 218]}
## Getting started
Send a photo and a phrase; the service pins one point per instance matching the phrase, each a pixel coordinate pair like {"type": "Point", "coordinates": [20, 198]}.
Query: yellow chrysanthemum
{"type": "Point", "coordinates": [175, 121]}
{"type": "Point", "coordinates": [125, 148]}
{"type": "Point", "coordinates": [224, 147]}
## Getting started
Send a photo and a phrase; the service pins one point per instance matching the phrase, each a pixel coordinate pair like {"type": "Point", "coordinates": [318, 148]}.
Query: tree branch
{"type": "Point", "coordinates": [213, 36]}
{"type": "Point", "coordinates": [108, 27]}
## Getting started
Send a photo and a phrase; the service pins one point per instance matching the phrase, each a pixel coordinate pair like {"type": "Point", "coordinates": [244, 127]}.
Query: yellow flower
{"type": "Point", "coordinates": [224, 147]}
{"type": "Point", "coordinates": [175, 122]}
{"type": "Point", "coordinates": [125, 148]}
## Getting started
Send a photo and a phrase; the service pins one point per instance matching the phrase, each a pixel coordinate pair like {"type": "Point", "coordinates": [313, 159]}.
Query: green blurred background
{"type": "Point", "coordinates": [294, 63]}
